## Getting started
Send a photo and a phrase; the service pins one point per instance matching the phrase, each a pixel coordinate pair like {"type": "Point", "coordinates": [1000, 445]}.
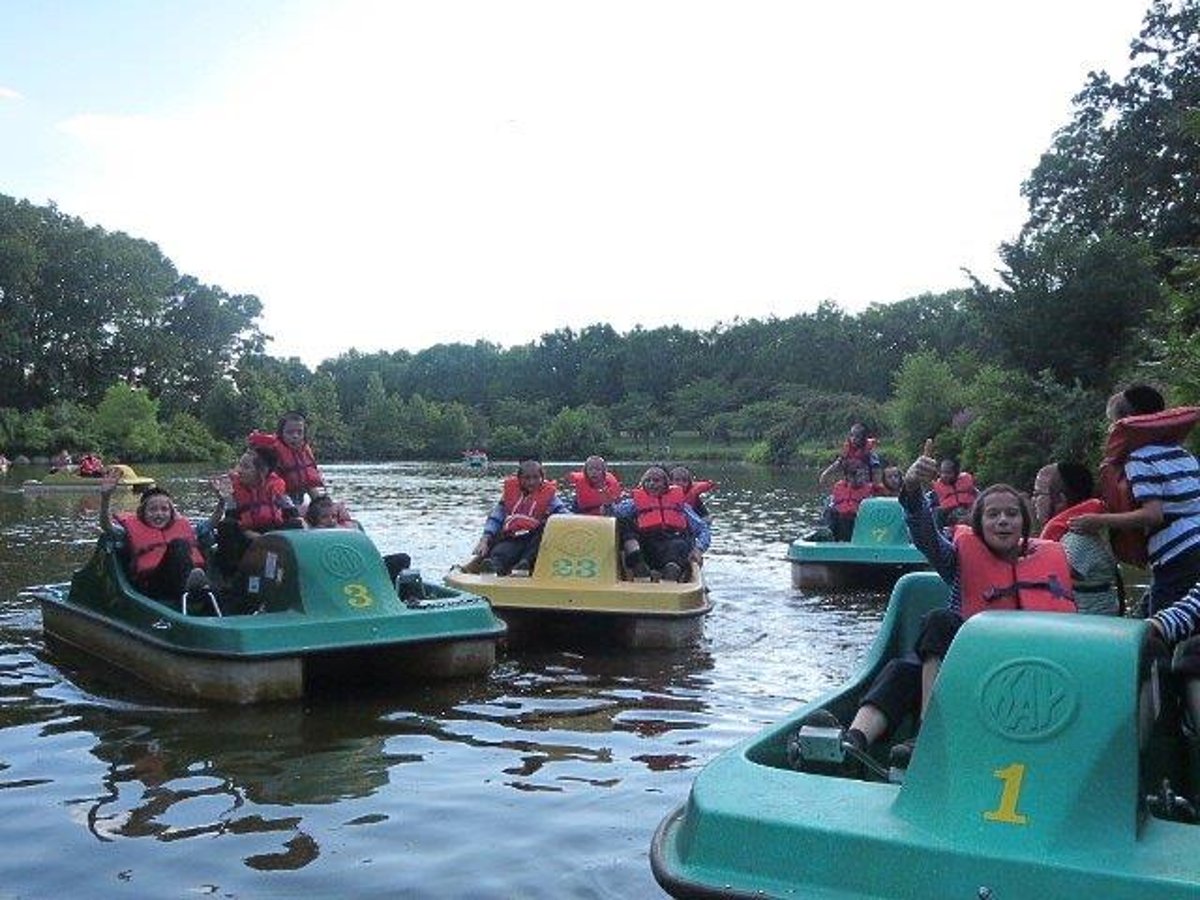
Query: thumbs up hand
{"type": "Point", "coordinates": [924, 468]}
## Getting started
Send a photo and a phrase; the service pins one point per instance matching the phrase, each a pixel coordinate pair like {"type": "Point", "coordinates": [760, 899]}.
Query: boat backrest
{"type": "Point", "coordinates": [578, 549]}
{"type": "Point", "coordinates": [320, 571]}
{"type": "Point", "coordinates": [880, 520]}
{"type": "Point", "coordinates": [913, 596]}
{"type": "Point", "coordinates": [1030, 740]}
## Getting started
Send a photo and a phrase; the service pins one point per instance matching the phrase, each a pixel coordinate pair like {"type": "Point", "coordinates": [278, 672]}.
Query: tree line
{"type": "Point", "coordinates": [104, 345]}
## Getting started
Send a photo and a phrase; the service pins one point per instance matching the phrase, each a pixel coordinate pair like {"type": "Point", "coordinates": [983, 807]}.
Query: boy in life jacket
{"type": "Point", "coordinates": [955, 491]}
{"type": "Point", "coordinates": [1163, 498]}
{"type": "Point", "coordinates": [857, 448]}
{"type": "Point", "coordinates": [892, 484]}
{"type": "Point", "coordinates": [992, 564]}
{"type": "Point", "coordinates": [294, 459]}
{"type": "Point", "coordinates": [512, 533]}
{"type": "Point", "coordinates": [662, 533]}
{"type": "Point", "coordinates": [693, 490]}
{"type": "Point", "coordinates": [596, 488]}
{"type": "Point", "coordinates": [846, 496]}
{"type": "Point", "coordinates": [1061, 493]}
{"type": "Point", "coordinates": [325, 512]}
{"type": "Point", "coordinates": [165, 557]}
{"type": "Point", "coordinates": [255, 501]}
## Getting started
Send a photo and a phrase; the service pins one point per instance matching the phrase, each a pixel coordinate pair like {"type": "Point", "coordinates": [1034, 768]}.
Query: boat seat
{"type": "Point", "coordinates": [316, 571]}
{"type": "Point", "coordinates": [1031, 737]}
{"type": "Point", "coordinates": [880, 520]}
{"type": "Point", "coordinates": [578, 549]}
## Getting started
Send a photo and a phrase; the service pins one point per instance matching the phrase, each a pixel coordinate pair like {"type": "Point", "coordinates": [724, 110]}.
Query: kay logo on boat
{"type": "Point", "coordinates": [1028, 699]}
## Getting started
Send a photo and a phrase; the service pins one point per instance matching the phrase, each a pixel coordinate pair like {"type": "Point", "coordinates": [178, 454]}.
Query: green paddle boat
{"type": "Point", "coordinates": [320, 608]}
{"type": "Point", "coordinates": [1031, 778]}
{"type": "Point", "coordinates": [878, 552]}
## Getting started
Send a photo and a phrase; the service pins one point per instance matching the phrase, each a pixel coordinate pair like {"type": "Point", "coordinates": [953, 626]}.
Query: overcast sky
{"type": "Point", "coordinates": [387, 175]}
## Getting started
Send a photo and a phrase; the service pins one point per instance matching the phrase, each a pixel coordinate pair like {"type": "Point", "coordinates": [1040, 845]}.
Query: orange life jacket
{"type": "Point", "coordinates": [1039, 580]}
{"type": "Point", "coordinates": [851, 451]}
{"type": "Point", "coordinates": [692, 496]}
{"type": "Point", "coordinates": [960, 495]}
{"type": "Point", "coordinates": [298, 468]}
{"type": "Point", "coordinates": [845, 497]}
{"type": "Point", "coordinates": [1171, 426]}
{"type": "Point", "coordinates": [258, 506]}
{"type": "Point", "coordinates": [592, 501]}
{"type": "Point", "coordinates": [91, 466]}
{"type": "Point", "coordinates": [663, 512]}
{"type": "Point", "coordinates": [1060, 523]}
{"type": "Point", "coordinates": [525, 512]}
{"type": "Point", "coordinates": [148, 545]}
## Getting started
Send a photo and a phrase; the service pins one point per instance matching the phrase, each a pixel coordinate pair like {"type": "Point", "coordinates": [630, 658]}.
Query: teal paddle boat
{"type": "Point", "coordinates": [319, 605]}
{"type": "Point", "coordinates": [878, 552]}
{"type": "Point", "coordinates": [1032, 778]}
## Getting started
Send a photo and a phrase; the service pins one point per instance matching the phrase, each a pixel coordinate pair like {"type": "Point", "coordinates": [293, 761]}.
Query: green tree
{"type": "Point", "coordinates": [127, 422]}
{"type": "Point", "coordinates": [576, 433]}
{"type": "Point", "coordinates": [928, 395]}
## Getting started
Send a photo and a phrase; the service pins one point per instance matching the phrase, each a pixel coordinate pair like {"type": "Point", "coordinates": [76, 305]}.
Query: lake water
{"type": "Point", "coordinates": [544, 780]}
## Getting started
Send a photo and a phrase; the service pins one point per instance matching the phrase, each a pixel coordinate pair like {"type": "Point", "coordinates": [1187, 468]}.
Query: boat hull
{"type": "Point", "coordinates": [325, 613]}
{"type": "Point", "coordinates": [878, 553]}
{"type": "Point", "coordinates": [68, 481]}
{"type": "Point", "coordinates": [576, 594]}
{"type": "Point", "coordinates": [1030, 779]}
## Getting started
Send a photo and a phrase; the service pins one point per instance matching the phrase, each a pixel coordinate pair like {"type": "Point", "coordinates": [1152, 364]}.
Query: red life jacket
{"type": "Point", "coordinates": [1060, 523]}
{"type": "Point", "coordinates": [525, 512]}
{"type": "Point", "coordinates": [1171, 426]}
{"type": "Point", "coordinates": [91, 466]}
{"type": "Point", "coordinates": [1039, 580]}
{"type": "Point", "coordinates": [660, 513]}
{"type": "Point", "coordinates": [845, 498]}
{"type": "Point", "coordinates": [853, 451]}
{"type": "Point", "coordinates": [298, 468]}
{"type": "Point", "coordinates": [692, 496]}
{"type": "Point", "coordinates": [258, 506]}
{"type": "Point", "coordinates": [960, 495]}
{"type": "Point", "coordinates": [591, 501]}
{"type": "Point", "coordinates": [148, 545]}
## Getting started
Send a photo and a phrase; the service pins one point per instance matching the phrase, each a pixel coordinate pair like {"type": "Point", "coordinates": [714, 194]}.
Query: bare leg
{"type": "Point", "coordinates": [870, 722]}
{"type": "Point", "coordinates": [929, 673]}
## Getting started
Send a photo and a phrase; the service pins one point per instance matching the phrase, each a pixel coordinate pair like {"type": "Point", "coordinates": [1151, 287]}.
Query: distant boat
{"type": "Point", "coordinates": [475, 459]}
{"type": "Point", "coordinates": [877, 554]}
{"type": "Point", "coordinates": [71, 480]}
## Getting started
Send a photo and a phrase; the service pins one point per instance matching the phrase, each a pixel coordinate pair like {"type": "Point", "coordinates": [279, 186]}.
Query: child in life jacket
{"type": "Point", "coordinates": [857, 448]}
{"type": "Point", "coordinates": [892, 484]}
{"type": "Point", "coordinates": [325, 512]}
{"type": "Point", "coordinates": [955, 491]}
{"type": "Point", "coordinates": [990, 564]}
{"type": "Point", "coordinates": [255, 501]}
{"type": "Point", "coordinates": [294, 459]}
{"type": "Point", "coordinates": [596, 488]}
{"type": "Point", "coordinates": [693, 490]}
{"type": "Point", "coordinates": [512, 533]}
{"type": "Point", "coordinates": [662, 533]}
{"type": "Point", "coordinates": [846, 496]}
{"type": "Point", "coordinates": [165, 556]}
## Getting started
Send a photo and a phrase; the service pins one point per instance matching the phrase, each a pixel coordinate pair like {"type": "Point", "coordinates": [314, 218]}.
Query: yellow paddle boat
{"type": "Point", "coordinates": [577, 590]}
{"type": "Point", "coordinates": [69, 479]}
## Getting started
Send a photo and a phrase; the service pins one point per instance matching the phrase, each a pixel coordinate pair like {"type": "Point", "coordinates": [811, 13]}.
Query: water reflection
{"type": "Point", "coordinates": [452, 789]}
